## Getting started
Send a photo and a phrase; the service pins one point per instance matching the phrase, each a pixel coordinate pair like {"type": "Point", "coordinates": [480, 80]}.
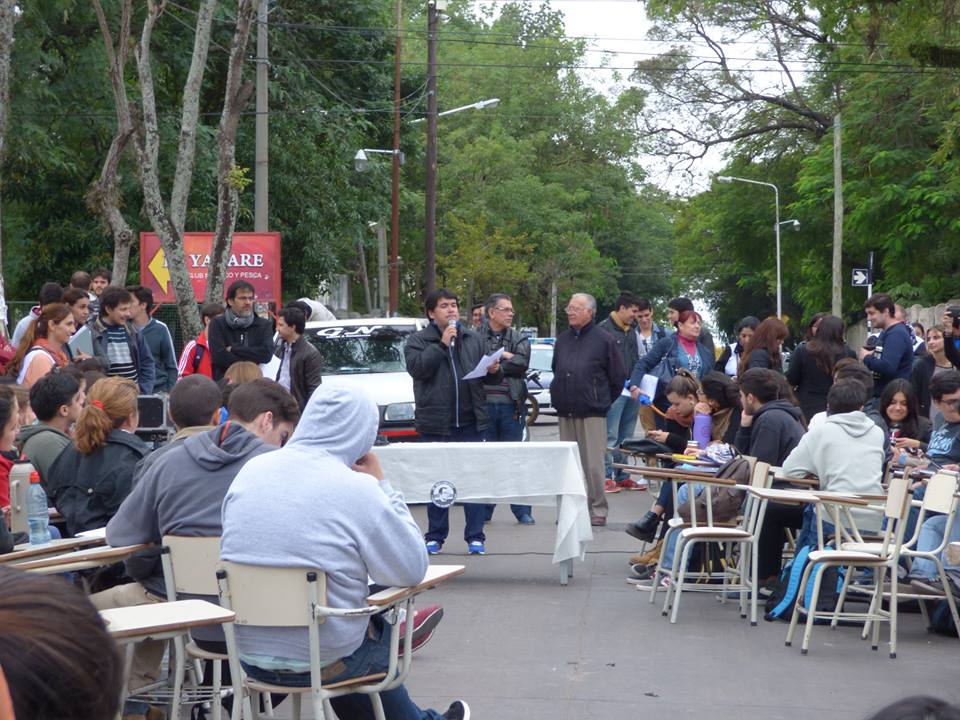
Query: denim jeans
{"type": "Point", "coordinates": [931, 535]}
{"type": "Point", "coordinates": [505, 426]}
{"type": "Point", "coordinates": [371, 657]}
{"type": "Point", "coordinates": [621, 423]}
{"type": "Point", "coordinates": [438, 518]}
{"type": "Point", "coordinates": [683, 494]}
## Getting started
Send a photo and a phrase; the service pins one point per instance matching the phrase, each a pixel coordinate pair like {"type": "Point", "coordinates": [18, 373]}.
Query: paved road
{"type": "Point", "coordinates": [515, 644]}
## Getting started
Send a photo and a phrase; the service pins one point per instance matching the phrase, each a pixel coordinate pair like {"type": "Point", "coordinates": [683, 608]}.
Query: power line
{"type": "Point", "coordinates": [872, 70]}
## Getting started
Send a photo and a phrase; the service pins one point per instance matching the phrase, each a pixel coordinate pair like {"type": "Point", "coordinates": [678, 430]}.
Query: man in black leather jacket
{"type": "Point", "coordinates": [449, 408]}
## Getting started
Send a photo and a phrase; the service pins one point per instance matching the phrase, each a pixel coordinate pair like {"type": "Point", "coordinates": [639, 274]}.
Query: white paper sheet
{"type": "Point", "coordinates": [484, 365]}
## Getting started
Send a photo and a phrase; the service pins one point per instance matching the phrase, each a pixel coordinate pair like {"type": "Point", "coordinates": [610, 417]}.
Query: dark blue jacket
{"type": "Point", "coordinates": [896, 359]}
{"type": "Point", "coordinates": [669, 347]}
{"type": "Point", "coordinates": [588, 373]}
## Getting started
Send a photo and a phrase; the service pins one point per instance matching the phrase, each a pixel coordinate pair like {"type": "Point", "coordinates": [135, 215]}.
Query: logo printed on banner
{"type": "Point", "coordinates": [254, 257]}
{"type": "Point", "coordinates": [443, 494]}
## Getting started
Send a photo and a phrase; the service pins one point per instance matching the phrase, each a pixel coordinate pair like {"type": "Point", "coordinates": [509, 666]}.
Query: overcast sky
{"type": "Point", "coordinates": [617, 31]}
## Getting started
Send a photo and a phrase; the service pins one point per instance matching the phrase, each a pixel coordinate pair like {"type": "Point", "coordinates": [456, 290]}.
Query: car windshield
{"type": "Point", "coordinates": [541, 358]}
{"type": "Point", "coordinates": [360, 348]}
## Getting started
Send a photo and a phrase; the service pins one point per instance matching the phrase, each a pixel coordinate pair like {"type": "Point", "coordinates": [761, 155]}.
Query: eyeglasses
{"type": "Point", "coordinates": [508, 310]}
{"type": "Point", "coordinates": [575, 308]}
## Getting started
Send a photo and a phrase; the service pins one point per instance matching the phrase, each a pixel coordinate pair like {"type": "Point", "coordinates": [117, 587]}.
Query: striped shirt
{"type": "Point", "coordinates": [118, 353]}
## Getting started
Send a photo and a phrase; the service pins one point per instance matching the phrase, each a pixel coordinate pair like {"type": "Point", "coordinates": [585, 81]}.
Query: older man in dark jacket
{"type": "Point", "coordinates": [588, 375]}
{"type": "Point", "coordinates": [449, 408]}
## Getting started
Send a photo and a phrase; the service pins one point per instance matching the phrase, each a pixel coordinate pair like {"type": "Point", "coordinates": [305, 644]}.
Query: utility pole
{"type": "Point", "coordinates": [394, 307]}
{"type": "Point", "coordinates": [553, 309]}
{"type": "Point", "coordinates": [836, 303]}
{"type": "Point", "coordinates": [430, 270]}
{"type": "Point", "coordinates": [261, 186]}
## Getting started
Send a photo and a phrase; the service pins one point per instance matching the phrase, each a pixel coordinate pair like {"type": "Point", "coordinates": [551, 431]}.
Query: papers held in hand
{"type": "Point", "coordinates": [81, 342]}
{"type": "Point", "coordinates": [484, 365]}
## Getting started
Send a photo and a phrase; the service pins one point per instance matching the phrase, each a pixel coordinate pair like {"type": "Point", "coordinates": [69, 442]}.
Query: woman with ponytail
{"type": "Point", "coordinates": [41, 348]}
{"type": "Point", "coordinates": [90, 479]}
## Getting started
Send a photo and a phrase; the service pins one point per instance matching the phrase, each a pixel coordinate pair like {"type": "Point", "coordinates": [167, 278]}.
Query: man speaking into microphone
{"type": "Point", "coordinates": [449, 408]}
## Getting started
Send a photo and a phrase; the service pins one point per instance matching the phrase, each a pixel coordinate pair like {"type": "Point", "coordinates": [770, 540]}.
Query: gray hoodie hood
{"type": "Point", "coordinates": [220, 447]}
{"type": "Point", "coordinates": [340, 422]}
{"type": "Point", "coordinates": [855, 424]}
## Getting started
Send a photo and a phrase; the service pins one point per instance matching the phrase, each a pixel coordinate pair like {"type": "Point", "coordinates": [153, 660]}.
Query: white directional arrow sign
{"type": "Point", "coordinates": [861, 277]}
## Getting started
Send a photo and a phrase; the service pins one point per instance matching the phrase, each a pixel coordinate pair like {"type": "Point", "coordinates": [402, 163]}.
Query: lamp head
{"type": "Point", "coordinates": [796, 225]}
{"type": "Point", "coordinates": [360, 161]}
{"type": "Point", "coordinates": [724, 178]}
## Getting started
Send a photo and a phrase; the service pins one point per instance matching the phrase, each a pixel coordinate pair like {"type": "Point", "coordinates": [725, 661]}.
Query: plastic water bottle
{"type": "Point", "coordinates": [37, 514]}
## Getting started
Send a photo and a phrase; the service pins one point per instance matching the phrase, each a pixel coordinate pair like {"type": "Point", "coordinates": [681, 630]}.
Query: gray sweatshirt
{"type": "Point", "coordinates": [303, 506]}
{"type": "Point", "coordinates": [846, 453]}
{"type": "Point", "coordinates": [181, 494]}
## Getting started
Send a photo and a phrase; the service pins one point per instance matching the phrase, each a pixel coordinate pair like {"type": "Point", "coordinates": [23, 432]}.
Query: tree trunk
{"type": "Point", "coordinates": [836, 295]}
{"type": "Point", "coordinates": [147, 145]}
{"type": "Point", "coordinates": [230, 180]}
{"type": "Point", "coordinates": [187, 147]}
{"type": "Point", "coordinates": [104, 197]}
{"type": "Point", "coordinates": [8, 17]}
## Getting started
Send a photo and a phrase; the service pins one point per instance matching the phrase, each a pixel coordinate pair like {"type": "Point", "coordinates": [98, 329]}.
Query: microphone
{"type": "Point", "coordinates": [456, 324]}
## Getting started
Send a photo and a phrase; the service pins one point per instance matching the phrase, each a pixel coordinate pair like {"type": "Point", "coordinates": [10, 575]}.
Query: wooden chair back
{"type": "Point", "coordinates": [190, 565]}
{"type": "Point", "coordinates": [271, 596]}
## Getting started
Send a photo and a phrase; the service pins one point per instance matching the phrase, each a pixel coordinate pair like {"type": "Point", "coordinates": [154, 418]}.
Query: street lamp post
{"type": "Point", "coordinates": [776, 227]}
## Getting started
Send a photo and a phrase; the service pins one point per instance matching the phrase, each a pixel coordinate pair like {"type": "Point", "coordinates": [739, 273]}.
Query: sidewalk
{"type": "Point", "coordinates": [515, 644]}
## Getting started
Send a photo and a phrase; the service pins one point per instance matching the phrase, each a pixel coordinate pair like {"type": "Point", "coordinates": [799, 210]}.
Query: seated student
{"type": "Point", "coordinates": [845, 453]}
{"type": "Point", "coordinates": [683, 393]}
{"type": "Point", "coordinates": [770, 425]}
{"type": "Point", "coordinates": [721, 401]}
{"type": "Point", "coordinates": [909, 430]}
{"type": "Point", "coordinates": [194, 407]}
{"type": "Point", "coordinates": [57, 401]}
{"type": "Point", "coordinates": [327, 491]}
{"type": "Point", "coordinates": [943, 450]}
{"type": "Point", "coordinates": [90, 479]}
{"type": "Point", "coordinates": [181, 491]}
{"type": "Point", "coordinates": [58, 658]}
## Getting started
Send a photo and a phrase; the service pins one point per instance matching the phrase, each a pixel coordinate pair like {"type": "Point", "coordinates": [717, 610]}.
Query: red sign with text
{"type": "Point", "coordinates": [254, 257]}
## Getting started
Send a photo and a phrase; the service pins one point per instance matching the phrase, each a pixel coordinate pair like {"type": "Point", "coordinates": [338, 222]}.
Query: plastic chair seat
{"type": "Point", "coordinates": [196, 651]}
{"type": "Point", "coordinates": [874, 548]}
{"type": "Point", "coordinates": [715, 531]}
{"type": "Point", "coordinates": [269, 688]}
{"type": "Point", "coordinates": [834, 557]}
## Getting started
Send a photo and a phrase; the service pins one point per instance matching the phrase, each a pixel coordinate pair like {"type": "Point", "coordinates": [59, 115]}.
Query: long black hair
{"type": "Point", "coordinates": [910, 427]}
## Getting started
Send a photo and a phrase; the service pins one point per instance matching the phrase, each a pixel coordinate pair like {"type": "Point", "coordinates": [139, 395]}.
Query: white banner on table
{"type": "Point", "coordinates": [541, 473]}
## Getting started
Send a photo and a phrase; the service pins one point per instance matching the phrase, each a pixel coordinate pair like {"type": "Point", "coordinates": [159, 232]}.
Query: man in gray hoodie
{"type": "Point", "coordinates": [181, 494]}
{"type": "Point", "coordinates": [329, 507]}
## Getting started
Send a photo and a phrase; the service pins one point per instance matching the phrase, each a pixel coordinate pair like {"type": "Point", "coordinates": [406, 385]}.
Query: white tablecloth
{"type": "Point", "coordinates": [540, 473]}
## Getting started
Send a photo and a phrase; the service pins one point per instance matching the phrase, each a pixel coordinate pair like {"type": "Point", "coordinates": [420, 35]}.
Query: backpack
{"type": "Point", "coordinates": [779, 606]}
{"type": "Point", "coordinates": [725, 502]}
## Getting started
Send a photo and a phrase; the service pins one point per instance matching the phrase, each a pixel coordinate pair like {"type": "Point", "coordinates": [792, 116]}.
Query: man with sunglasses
{"type": "Point", "coordinates": [182, 491]}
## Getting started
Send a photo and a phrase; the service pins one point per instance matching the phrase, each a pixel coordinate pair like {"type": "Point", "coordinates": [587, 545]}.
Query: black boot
{"type": "Point", "coordinates": [646, 528]}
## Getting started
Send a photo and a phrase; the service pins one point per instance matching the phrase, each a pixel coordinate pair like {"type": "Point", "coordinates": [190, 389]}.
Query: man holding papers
{"type": "Point", "coordinates": [505, 400]}
{"type": "Point", "coordinates": [449, 407]}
